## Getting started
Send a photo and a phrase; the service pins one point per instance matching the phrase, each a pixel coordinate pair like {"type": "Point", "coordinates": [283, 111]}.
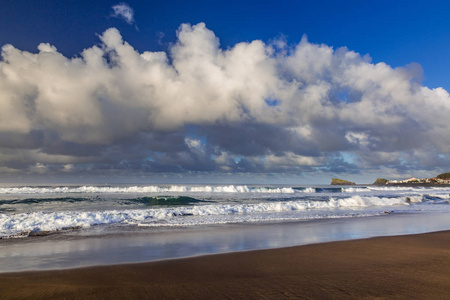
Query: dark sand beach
{"type": "Point", "coordinates": [398, 267]}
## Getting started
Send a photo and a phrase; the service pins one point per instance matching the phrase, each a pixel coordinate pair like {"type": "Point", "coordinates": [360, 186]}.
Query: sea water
{"type": "Point", "coordinates": [135, 218]}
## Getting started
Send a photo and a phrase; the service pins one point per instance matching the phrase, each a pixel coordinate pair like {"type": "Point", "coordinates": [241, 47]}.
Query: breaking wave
{"type": "Point", "coordinates": [202, 189]}
{"type": "Point", "coordinates": [149, 201]}
{"type": "Point", "coordinates": [151, 189]}
{"type": "Point", "coordinates": [24, 224]}
{"type": "Point", "coordinates": [166, 200]}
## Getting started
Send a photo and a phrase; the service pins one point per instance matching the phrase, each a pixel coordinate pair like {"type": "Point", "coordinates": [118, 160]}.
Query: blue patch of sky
{"type": "Point", "coordinates": [272, 102]}
{"type": "Point", "coordinates": [191, 132]}
{"type": "Point", "coordinates": [348, 157]}
{"type": "Point", "coordinates": [395, 32]}
{"type": "Point", "coordinates": [403, 161]}
{"type": "Point", "coordinates": [343, 97]}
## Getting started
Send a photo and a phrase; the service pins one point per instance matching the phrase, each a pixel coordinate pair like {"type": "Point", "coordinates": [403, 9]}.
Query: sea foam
{"type": "Point", "coordinates": [150, 189]}
{"type": "Point", "coordinates": [26, 223]}
{"type": "Point", "coordinates": [240, 189]}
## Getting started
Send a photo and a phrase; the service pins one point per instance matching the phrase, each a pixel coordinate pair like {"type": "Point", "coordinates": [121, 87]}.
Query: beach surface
{"type": "Point", "coordinates": [400, 267]}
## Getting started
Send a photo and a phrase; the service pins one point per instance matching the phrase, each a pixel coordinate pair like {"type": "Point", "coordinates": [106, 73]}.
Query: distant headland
{"type": "Point", "coordinates": [441, 179]}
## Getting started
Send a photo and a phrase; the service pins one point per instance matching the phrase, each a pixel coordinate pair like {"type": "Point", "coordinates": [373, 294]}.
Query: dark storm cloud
{"type": "Point", "coordinates": [253, 139]}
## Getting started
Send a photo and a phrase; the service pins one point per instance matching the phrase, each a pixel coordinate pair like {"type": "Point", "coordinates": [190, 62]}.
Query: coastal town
{"type": "Point", "coordinates": [441, 179]}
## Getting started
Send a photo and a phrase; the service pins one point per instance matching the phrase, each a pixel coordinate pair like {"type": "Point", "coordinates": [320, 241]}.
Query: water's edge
{"type": "Point", "coordinates": [145, 245]}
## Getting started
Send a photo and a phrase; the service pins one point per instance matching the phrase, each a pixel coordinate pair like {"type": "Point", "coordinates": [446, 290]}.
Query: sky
{"type": "Point", "coordinates": [223, 92]}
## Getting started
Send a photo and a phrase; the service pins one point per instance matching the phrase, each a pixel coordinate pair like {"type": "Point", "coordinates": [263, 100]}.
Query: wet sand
{"type": "Point", "coordinates": [400, 267]}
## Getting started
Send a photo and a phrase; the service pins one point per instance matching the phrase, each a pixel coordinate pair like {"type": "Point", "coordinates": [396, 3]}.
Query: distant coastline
{"type": "Point", "coordinates": [424, 184]}
{"type": "Point", "coordinates": [441, 180]}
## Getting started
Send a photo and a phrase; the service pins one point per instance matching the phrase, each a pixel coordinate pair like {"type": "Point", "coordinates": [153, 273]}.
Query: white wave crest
{"type": "Point", "coordinates": [354, 189]}
{"type": "Point", "coordinates": [441, 196]}
{"type": "Point", "coordinates": [308, 190]}
{"type": "Point", "coordinates": [365, 201]}
{"type": "Point", "coordinates": [148, 189]}
{"type": "Point", "coordinates": [24, 223]}
{"type": "Point", "coordinates": [202, 189]}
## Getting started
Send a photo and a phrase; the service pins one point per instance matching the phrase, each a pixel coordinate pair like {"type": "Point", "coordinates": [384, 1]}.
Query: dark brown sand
{"type": "Point", "coordinates": [403, 267]}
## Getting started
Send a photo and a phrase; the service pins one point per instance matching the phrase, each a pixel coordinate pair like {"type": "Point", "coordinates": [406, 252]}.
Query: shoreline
{"type": "Point", "coordinates": [59, 252]}
{"type": "Point", "coordinates": [389, 267]}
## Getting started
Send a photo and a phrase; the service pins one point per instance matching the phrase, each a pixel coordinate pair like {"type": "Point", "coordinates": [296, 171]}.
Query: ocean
{"type": "Point", "coordinates": [132, 223]}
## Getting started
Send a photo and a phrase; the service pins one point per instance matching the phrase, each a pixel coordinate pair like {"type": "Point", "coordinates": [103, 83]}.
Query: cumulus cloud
{"type": "Point", "coordinates": [253, 107]}
{"type": "Point", "coordinates": [123, 11]}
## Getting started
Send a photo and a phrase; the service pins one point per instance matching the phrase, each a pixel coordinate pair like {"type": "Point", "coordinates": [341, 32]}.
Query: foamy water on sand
{"type": "Point", "coordinates": [67, 226]}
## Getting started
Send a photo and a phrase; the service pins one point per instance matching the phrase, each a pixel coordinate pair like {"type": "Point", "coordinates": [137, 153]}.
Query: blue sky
{"type": "Point", "coordinates": [305, 134]}
{"type": "Point", "coordinates": [395, 32]}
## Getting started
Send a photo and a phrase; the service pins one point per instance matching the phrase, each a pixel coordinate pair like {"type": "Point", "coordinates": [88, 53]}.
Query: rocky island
{"type": "Point", "coordinates": [336, 181]}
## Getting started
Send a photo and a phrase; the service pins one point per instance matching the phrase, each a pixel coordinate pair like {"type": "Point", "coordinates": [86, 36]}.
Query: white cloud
{"type": "Point", "coordinates": [357, 138]}
{"type": "Point", "coordinates": [39, 168]}
{"type": "Point", "coordinates": [295, 107]}
{"type": "Point", "coordinates": [123, 11]}
{"type": "Point", "coordinates": [288, 160]}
